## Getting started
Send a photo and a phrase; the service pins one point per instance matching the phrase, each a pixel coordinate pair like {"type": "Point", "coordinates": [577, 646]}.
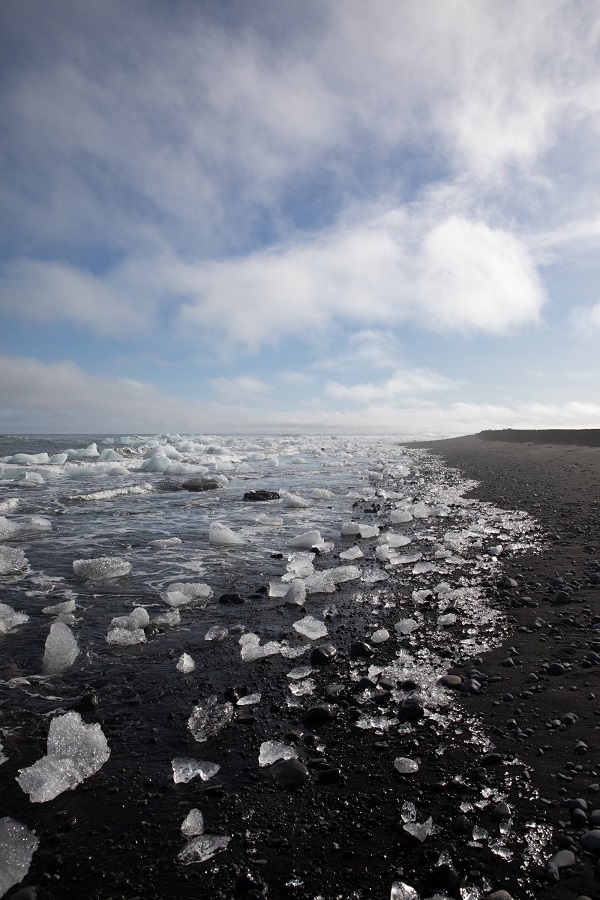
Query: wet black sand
{"type": "Point", "coordinates": [340, 834]}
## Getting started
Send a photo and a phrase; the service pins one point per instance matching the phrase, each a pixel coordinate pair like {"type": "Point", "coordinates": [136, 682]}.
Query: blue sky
{"type": "Point", "coordinates": [339, 216]}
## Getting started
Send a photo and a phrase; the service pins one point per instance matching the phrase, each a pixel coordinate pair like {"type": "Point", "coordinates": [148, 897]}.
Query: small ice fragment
{"type": "Point", "coordinates": [301, 688]}
{"type": "Point", "coordinates": [17, 846]}
{"type": "Point", "coordinates": [420, 830]}
{"type": "Point", "coordinates": [299, 566]}
{"type": "Point", "coordinates": [222, 536]}
{"type": "Point", "coordinates": [249, 700]}
{"type": "Point", "coordinates": [75, 752]}
{"type": "Point", "coordinates": [185, 769]}
{"type": "Point", "coordinates": [165, 543]}
{"type": "Point", "coordinates": [296, 593]}
{"type": "Point", "coordinates": [319, 583]}
{"type": "Point", "coordinates": [272, 751]}
{"type": "Point", "coordinates": [60, 650]}
{"type": "Point", "coordinates": [421, 567]}
{"type": "Point", "coordinates": [311, 628]}
{"type": "Point", "coordinates": [379, 636]}
{"type": "Point", "coordinates": [194, 591]}
{"type": "Point", "coordinates": [403, 891]}
{"type": "Point", "coordinates": [277, 589]}
{"type": "Point", "coordinates": [293, 501]}
{"type": "Point", "coordinates": [299, 672]}
{"type": "Point", "coordinates": [102, 567]}
{"type": "Point", "coordinates": [9, 619]}
{"type": "Point", "coordinates": [406, 626]}
{"type": "Point", "coordinates": [408, 812]}
{"type": "Point", "coordinates": [170, 618]}
{"type": "Point", "coordinates": [216, 633]}
{"type": "Point", "coordinates": [340, 574]}
{"type": "Point", "coordinates": [125, 637]}
{"type": "Point", "coordinates": [185, 664]}
{"type": "Point", "coordinates": [406, 766]}
{"type": "Point", "coordinates": [399, 516]}
{"type": "Point", "coordinates": [352, 553]}
{"type": "Point", "coordinates": [253, 650]}
{"type": "Point", "coordinates": [12, 561]}
{"type": "Point", "coordinates": [209, 719]}
{"type": "Point", "coordinates": [264, 519]}
{"type": "Point", "coordinates": [138, 618]}
{"type": "Point", "coordinates": [68, 606]}
{"type": "Point", "coordinates": [448, 619]}
{"type": "Point", "coordinates": [193, 824]}
{"type": "Point", "coordinates": [393, 540]}
{"type": "Point", "coordinates": [201, 848]}
{"type": "Point", "coordinates": [307, 540]}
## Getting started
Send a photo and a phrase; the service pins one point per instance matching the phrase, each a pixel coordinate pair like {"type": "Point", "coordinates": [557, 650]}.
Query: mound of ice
{"type": "Point", "coordinates": [209, 719]}
{"type": "Point", "coordinates": [75, 751]}
{"type": "Point", "coordinates": [193, 824]}
{"type": "Point", "coordinates": [61, 649]}
{"type": "Point", "coordinates": [307, 540]}
{"type": "Point", "coordinates": [157, 462]}
{"type": "Point", "coordinates": [272, 751]}
{"type": "Point", "coordinates": [185, 664]}
{"type": "Point", "coordinates": [32, 526]}
{"type": "Point", "coordinates": [90, 452]}
{"type": "Point", "coordinates": [9, 619]}
{"type": "Point", "coordinates": [138, 618]}
{"type": "Point", "coordinates": [17, 846]}
{"type": "Point", "coordinates": [102, 567]}
{"type": "Point", "coordinates": [125, 637]}
{"type": "Point", "coordinates": [165, 543]}
{"type": "Point", "coordinates": [185, 769]}
{"type": "Point", "coordinates": [293, 501]}
{"type": "Point", "coordinates": [311, 628]}
{"type": "Point", "coordinates": [110, 456]}
{"type": "Point", "coordinates": [29, 459]}
{"type": "Point", "coordinates": [223, 536]}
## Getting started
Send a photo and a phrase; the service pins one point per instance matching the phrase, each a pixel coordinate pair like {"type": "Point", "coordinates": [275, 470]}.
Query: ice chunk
{"type": "Point", "coordinates": [110, 456]}
{"type": "Point", "coordinates": [379, 636]}
{"type": "Point", "coordinates": [209, 719]}
{"type": "Point", "coordinates": [90, 452]}
{"type": "Point", "coordinates": [185, 769]}
{"type": "Point", "coordinates": [102, 567]}
{"type": "Point", "coordinates": [61, 650]}
{"type": "Point", "coordinates": [322, 494]}
{"type": "Point", "coordinates": [138, 618]}
{"type": "Point", "coordinates": [9, 619]}
{"type": "Point", "coordinates": [403, 891]}
{"type": "Point", "coordinates": [75, 751]}
{"type": "Point", "coordinates": [169, 618]}
{"type": "Point", "coordinates": [299, 566]}
{"type": "Point", "coordinates": [301, 688]}
{"type": "Point", "coordinates": [293, 501]}
{"type": "Point", "coordinates": [393, 540]}
{"type": "Point", "coordinates": [216, 633]}
{"type": "Point", "coordinates": [352, 553]}
{"type": "Point", "coordinates": [319, 583]}
{"type": "Point", "coordinates": [185, 664]}
{"type": "Point", "coordinates": [193, 824]}
{"type": "Point", "coordinates": [299, 672]}
{"type": "Point", "coordinates": [253, 650]}
{"type": "Point", "coordinates": [32, 526]}
{"type": "Point", "coordinates": [223, 536]}
{"type": "Point", "coordinates": [60, 609]}
{"type": "Point", "coordinates": [9, 504]}
{"type": "Point", "coordinates": [344, 573]}
{"type": "Point", "coordinates": [365, 531]}
{"type": "Point", "coordinates": [447, 619]}
{"type": "Point", "coordinates": [420, 830]}
{"type": "Point", "coordinates": [155, 463]}
{"type": "Point", "coordinates": [406, 766]}
{"type": "Point", "coordinates": [12, 561]}
{"type": "Point", "coordinates": [165, 543]}
{"type": "Point", "coordinates": [406, 626]}
{"type": "Point", "coordinates": [126, 637]}
{"type": "Point", "coordinates": [265, 519]}
{"type": "Point", "coordinates": [296, 593]}
{"type": "Point", "coordinates": [249, 699]}
{"type": "Point", "coordinates": [278, 588]}
{"type": "Point", "coordinates": [17, 846]}
{"type": "Point", "coordinates": [29, 459]}
{"type": "Point", "coordinates": [311, 628]}
{"type": "Point", "coordinates": [195, 590]}
{"type": "Point", "coordinates": [307, 540]}
{"type": "Point", "coordinates": [399, 516]}
{"type": "Point", "coordinates": [271, 751]}
{"type": "Point", "coordinates": [203, 847]}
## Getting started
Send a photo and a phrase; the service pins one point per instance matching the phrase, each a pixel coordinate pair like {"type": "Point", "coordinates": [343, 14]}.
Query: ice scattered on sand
{"type": "Point", "coordinates": [420, 830]}
{"type": "Point", "coordinates": [252, 649]}
{"type": "Point", "coordinates": [403, 891]}
{"type": "Point", "coordinates": [12, 561]}
{"type": "Point", "coordinates": [406, 626]}
{"type": "Point", "coordinates": [250, 699]}
{"type": "Point", "coordinates": [352, 553]}
{"type": "Point", "coordinates": [75, 751]}
{"type": "Point", "coordinates": [272, 751]}
{"type": "Point", "coordinates": [296, 593]}
{"type": "Point", "coordinates": [209, 718]}
{"type": "Point", "coordinates": [203, 847]}
{"type": "Point", "coordinates": [61, 649]}
{"type": "Point", "coordinates": [102, 567]}
{"type": "Point", "coordinates": [185, 769]}
{"type": "Point", "coordinates": [400, 516]}
{"type": "Point", "coordinates": [9, 619]}
{"type": "Point", "coordinates": [17, 846]}
{"type": "Point", "coordinates": [193, 824]}
{"type": "Point", "coordinates": [320, 583]}
{"type": "Point", "coordinates": [300, 672]}
{"type": "Point", "coordinates": [406, 766]}
{"type": "Point", "coordinates": [447, 619]}
{"type": "Point", "coordinates": [185, 664]}
{"type": "Point", "coordinates": [216, 633]}
{"type": "Point", "coordinates": [311, 628]}
{"type": "Point", "coordinates": [222, 536]}
{"type": "Point", "coordinates": [302, 688]}
{"type": "Point", "coordinates": [307, 540]}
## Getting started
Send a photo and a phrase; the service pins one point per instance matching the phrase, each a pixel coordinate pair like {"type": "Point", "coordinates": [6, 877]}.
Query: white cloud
{"type": "Point", "coordinates": [241, 386]}
{"type": "Point", "coordinates": [586, 320]}
{"type": "Point", "coordinates": [402, 382]}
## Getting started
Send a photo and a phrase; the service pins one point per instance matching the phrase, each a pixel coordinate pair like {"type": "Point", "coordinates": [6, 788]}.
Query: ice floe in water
{"type": "Point", "coordinates": [67, 607]}
{"type": "Point", "coordinates": [76, 751]}
{"type": "Point", "coordinates": [31, 526]}
{"type": "Point", "coordinates": [307, 540]}
{"type": "Point", "coordinates": [17, 846]}
{"type": "Point", "coordinates": [61, 649]}
{"type": "Point", "coordinates": [9, 619]}
{"type": "Point", "coordinates": [185, 769]}
{"type": "Point", "coordinates": [223, 536]}
{"type": "Point", "coordinates": [12, 561]}
{"type": "Point", "coordinates": [101, 568]}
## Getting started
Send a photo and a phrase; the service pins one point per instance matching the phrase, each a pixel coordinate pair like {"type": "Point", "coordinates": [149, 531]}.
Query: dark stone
{"type": "Point", "coordinates": [491, 759]}
{"type": "Point", "coordinates": [319, 715]}
{"type": "Point", "coordinates": [410, 710]}
{"type": "Point", "coordinates": [288, 773]}
{"type": "Point", "coordinates": [323, 654]}
{"type": "Point", "coordinates": [361, 649]}
{"type": "Point", "coordinates": [446, 877]}
{"type": "Point", "coordinates": [233, 694]}
{"type": "Point", "coordinates": [556, 668]}
{"type": "Point", "coordinates": [590, 841]}
{"type": "Point", "coordinates": [329, 776]}
{"type": "Point", "coordinates": [501, 811]}
{"type": "Point", "coordinates": [260, 496]}
{"type": "Point", "coordinates": [334, 691]}
{"type": "Point", "coordinates": [230, 597]}
{"type": "Point", "coordinates": [452, 681]}
{"type": "Point", "coordinates": [200, 484]}
{"type": "Point", "coordinates": [249, 887]}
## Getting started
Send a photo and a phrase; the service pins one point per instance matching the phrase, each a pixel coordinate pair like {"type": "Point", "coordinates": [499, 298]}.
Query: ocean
{"type": "Point", "coordinates": [147, 573]}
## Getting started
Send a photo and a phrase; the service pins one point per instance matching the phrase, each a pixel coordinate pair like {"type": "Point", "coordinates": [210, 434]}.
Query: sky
{"type": "Point", "coordinates": [317, 216]}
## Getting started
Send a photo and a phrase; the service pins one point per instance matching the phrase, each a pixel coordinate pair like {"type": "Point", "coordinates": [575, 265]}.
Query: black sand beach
{"type": "Point", "coordinates": [340, 834]}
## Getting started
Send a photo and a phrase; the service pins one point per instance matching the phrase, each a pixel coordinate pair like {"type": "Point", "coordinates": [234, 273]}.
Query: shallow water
{"type": "Point", "coordinates": [433, 582]}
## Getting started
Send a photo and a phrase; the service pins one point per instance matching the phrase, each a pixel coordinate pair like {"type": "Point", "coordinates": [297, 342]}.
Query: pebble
{"type": "Point", "coordinates": [319, 715]}
{"type": "Point", "coordinates": [289, 773]}
{"type": "Point", "coordinates": [323, 654]}
{"type": "Point", "coordinates": [410, 710]}
{"type": "Point", "coordinates": [564, 859]}
{"type": "Point", "coordinates": [591, 841]}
